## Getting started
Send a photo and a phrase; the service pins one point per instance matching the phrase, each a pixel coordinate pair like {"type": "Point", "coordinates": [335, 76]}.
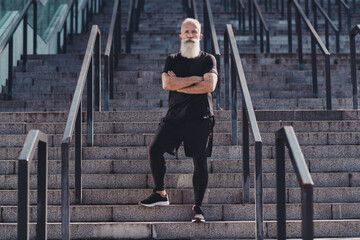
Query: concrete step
{"type": "Point", "coordinates": [176, 213]}
{"type": "Point", "coordinates": [186, 196]}
{"type": "Point", "coordinates": [181, 180]}
{"type": "Point", "coordinates": [216, 229]}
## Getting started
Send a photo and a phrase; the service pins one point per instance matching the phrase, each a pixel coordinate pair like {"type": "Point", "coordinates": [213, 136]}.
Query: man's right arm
{"type": "Point", "coordinates": [172, 83]}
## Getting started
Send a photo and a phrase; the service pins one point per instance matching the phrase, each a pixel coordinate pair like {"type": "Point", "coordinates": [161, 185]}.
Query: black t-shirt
{"type": "Point", "coordinates": [189, 107]}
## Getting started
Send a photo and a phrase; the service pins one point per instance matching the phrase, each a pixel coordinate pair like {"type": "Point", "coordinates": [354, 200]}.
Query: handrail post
{"type": "Point", "coordinates": [10, 68]}
{"type": "Point", "coordinates": [65, 197]}
{"type": "Point", "coordinates": [255, 23]}
{"type": "Point", "coordinates": [106, 82]}
{"type": "Point", "coordinates": [280, 188]}
{"type": "Point", "coordinates": [97, 72]}
{"type": "Point", "coordinates": [234, 118]}
{"type": "Point", "coordinates": [78, 156]}
{"type": "Point", "coordinates": [24, 66]}
{"type": "Point", "coordinates": [289, 26]}
{"type": "Point", "coordinates": [41, 228]}
{"type": "Point", "coordinates": [90, 103]}
{"type": "Point", "coordinates": [307, 213]}
{"type": "Point", "coordinates": [339, 14]}
{"type": "Point", "coordinates": [35, 24]}
{"type": "Point", "coordinates": [327, 34]}
{"type": "Point", "coordinates": [328, 82]}
{"type": "Point", "coordinates": [314, 67]}
{"type": "Point", "coordinates": [226, 70]}
{"type": "Point", "coordinates": [259, 191]}
{"type": "Point", "coordinates": [246, 154]}
{"type": "Point", "coordinates": [353, 67]}
{"type": "Point", "coordinates": [250, 17]}
{"type": "Point", "coordinates": [300, 45]}
{"type": "Point", "coordinates": [23, 200]}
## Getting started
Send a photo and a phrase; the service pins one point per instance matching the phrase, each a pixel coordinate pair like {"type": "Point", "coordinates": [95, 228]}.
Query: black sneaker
{"type": "Point", "coordinates": [155, 199]}
{"type": "Point", "coordinates": [198, 215]}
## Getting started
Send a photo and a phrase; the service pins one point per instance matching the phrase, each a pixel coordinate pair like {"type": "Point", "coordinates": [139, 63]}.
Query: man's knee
{"type": "Point", "coordinates": [155, 150]}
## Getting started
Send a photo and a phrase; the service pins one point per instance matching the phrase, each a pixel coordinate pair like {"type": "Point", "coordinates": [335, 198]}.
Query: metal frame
{"type": "Point", "coordinates": [286, 135]}
{"type": "Point", "coordinates": [241, 16]}
{"type": "Point", "coordinates": [316, 6]}
{"type": "Point", "coordinates": [211, 45]}
{"type": "Point", "coordinates": [74, 7]}
{"type": "Point", "coordinates": [263, 26]}
{"type": "Point", "coordinates": [35, 138]}
{"type": "Point", "coordinates": [352, 36]}
{"type": "Point", "coordinates": [90, 73]}
{"type": "Point", "coordinates": [315, 40]}
{"type": "Point", "coordinates": [232, 57]}
{"type": "Point", "coordinates": [190, 9]}
{"type": "Point", "coordinates": [348, 12]}
{"type": "Point", "coordinates": [9, 40]}
{"type": "Point", "coordinates": [111, 53]}
{"type": "Point", "coordinates": [135, 7]}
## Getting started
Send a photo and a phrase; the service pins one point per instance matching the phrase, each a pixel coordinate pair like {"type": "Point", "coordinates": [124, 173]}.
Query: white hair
{"type": "Point", "coordinates": [193, 20]}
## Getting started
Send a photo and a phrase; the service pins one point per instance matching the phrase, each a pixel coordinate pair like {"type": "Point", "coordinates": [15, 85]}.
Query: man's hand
{"type": "Point", "coordinates": [207, 85]}
{"type": "Point", "coordinates": [171, 74]}
{"type": "Point", "coordinates": [172, 83]}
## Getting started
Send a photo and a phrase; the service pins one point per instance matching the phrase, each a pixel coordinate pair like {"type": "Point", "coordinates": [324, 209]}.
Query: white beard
{"type": "Point", "coordinates": [190, 49]}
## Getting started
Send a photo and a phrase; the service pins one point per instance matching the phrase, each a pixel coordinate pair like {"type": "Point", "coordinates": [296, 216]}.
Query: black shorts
{"type": "Point", "coordinates": [196, 135]}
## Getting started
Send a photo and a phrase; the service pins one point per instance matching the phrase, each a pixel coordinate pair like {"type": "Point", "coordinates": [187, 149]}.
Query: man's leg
{"type": "Point", "coordinates": [195, 144]}
{"type": "Point", "coordinates": [166, 139]}
{"type": "Point", "coordinates": [200, 178]}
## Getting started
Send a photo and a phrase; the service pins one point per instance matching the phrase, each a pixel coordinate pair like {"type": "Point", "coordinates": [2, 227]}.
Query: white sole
{"type": "Point", "coordinates": [155, 204]}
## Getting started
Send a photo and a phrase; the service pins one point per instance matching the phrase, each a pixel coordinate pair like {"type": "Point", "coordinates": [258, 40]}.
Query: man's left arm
{"type": "Point", "coordinates": [205, 86]}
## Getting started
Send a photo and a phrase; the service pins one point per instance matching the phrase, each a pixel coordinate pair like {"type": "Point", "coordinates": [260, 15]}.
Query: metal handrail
{"type": "Point", "coordinates": [315, 40]}
{"type": "Point", "coordinates": [248, 114]}
{"type": "Point", "coordinates": [241, 15]}
{"type": "Point", "coordinates": [327, 22]}
{"type": "Point", "coordinates": [211, 45]}
{"type": "Point", "coordinates": [9, 40]}
{"type": "Point", "coordinates": [90, 73]}
{"type": "Point", "coordinates": [355, 31]}
{"type": "Point", "coordinates": [263, 26]}
{"type": "Point", "coordinates": [190, 9]}
{"type": "Point", "coordinates": [348, 11]}
{"type": "Point", "coordinates": [63, 25]}
{"type": "Point", "coordinates": [286, 135]}
{"type": "Point", "coordinates": [35, 138]}
{"type": "Point", "coordinates": [132, 24]}
{"type": "Point", "coordinates": [111, 53]}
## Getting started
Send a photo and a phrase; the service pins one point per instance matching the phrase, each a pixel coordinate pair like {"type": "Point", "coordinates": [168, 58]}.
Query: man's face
{"type": "Point", "coordinates": [190, 31]}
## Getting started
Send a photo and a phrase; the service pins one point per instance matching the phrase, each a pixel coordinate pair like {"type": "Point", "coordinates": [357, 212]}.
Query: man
{"type": "Point", "coordinates": [190, 76]}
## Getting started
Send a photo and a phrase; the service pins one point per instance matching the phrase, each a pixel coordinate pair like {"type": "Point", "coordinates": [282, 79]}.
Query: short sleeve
{"type": "Point", "coordinates": [168, 65]}
{"type": "Point", "coordinates": [210, 65]}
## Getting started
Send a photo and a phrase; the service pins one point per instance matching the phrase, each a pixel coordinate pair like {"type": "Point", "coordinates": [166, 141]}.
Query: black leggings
{"type": "Point", "coordinates": [168, 138]}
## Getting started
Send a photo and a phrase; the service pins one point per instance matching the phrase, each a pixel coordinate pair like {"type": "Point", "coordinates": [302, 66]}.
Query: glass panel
{"type": "Point", "coordinates": [46, 13]}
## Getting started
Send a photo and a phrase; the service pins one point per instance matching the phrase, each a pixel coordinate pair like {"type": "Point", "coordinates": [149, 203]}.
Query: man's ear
{"type": "Point", "coordinates": [201, 35]}
{"type": "Point", "coordinates": [180, 36]}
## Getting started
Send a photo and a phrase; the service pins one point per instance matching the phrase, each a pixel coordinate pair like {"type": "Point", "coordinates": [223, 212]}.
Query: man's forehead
{"type": "Point", "coordinates": [189, 25]}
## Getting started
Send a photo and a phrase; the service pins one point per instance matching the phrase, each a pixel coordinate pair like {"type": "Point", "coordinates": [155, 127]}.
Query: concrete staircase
{"type": "Point", "coordinates": [116, 172]}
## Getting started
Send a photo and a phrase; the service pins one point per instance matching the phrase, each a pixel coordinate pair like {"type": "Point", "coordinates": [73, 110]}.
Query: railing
{"type": "Point", "coordinates": [237, 72]}
{"type": "Point", "coordinates": [327, 22]}
{"type": "Point", "coordinates": [111, 53]}
{"type": "Point", "coordinates": [90, 73]}
{"type": "Point", "coordinates": [315, 39]}
{"type": "Point", "coordinates": [263, 27]}
{"type": "Point", "coordinates": [35, 138]}
{"type": "Point", "coordinates": [75, 6]}
{"type": "Point", "coordinates": [341, 3]}
{"type": "Point", "coordinates": [190, 8]}
{"type": "Point", "coordinates": [353, 34]}
{"type": "Point", "coordinates": [9, 41]}
{"type": "Point", "coordinates": [211, 45]}
{"type": "Point", "coordinates": [286, 135]}
{"type": "Point", "coordinates": [241, 16]}
{"type": "Point", "coordinates": [254, 12]}
{"type": "Point", "coordinates": [132, 25]}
